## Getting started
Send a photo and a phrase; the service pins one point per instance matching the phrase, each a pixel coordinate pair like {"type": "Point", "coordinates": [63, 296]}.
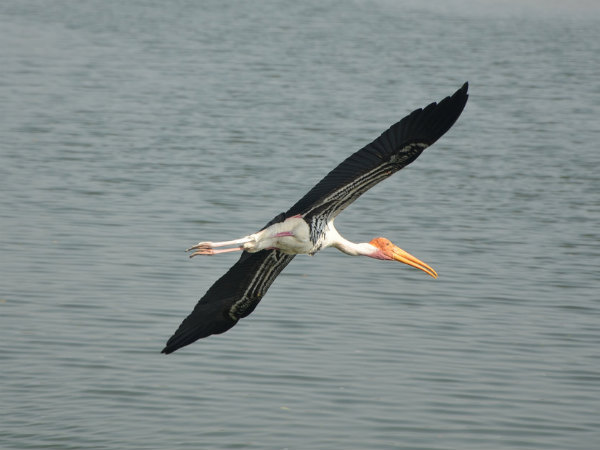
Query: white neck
{"type": "Point", "coordinates": [335, 239]}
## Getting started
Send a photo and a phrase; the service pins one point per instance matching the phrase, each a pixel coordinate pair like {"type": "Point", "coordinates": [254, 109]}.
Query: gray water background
{"type": "Point", "coordinates": [131, 130]}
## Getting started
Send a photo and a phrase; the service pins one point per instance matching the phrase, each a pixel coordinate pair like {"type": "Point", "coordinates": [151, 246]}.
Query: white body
{"type": "Point", "coordinates": [292, 236]}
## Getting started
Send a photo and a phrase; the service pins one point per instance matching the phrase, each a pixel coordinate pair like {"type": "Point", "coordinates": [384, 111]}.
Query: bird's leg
{"type": "Point", "coordinates": [208, 248]}
{"type": "Point", "coordinates": [211, 251]}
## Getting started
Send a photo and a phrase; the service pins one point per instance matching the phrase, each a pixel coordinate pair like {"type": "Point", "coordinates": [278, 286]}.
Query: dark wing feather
{"type": "Point", "coordinates": [397, 147]}
{"type": "Point", "coordinates": [231, 297]}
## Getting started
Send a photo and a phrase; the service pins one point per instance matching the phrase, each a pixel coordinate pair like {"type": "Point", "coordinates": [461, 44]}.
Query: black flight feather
{"type": "Point", "coordinates": [397, 147]}
{"type": "Point", "coordinates": [231, 297]}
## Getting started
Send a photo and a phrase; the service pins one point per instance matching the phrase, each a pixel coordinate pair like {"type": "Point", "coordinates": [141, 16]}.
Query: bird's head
{"type": "Point", "coordinates": [386, 250]}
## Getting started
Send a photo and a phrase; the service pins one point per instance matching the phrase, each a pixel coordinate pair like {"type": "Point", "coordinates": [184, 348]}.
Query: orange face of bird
{"type": "Point", "coordinates": [387, 250]}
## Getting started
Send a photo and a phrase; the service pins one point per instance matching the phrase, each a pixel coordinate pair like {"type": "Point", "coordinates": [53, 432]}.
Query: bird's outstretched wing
{"type": "Point", "coordinates": [232, 297]}
{"type": "Point", "coordinates": [236, 294]}
{"type": "Point", "coordinates": [397, 147]}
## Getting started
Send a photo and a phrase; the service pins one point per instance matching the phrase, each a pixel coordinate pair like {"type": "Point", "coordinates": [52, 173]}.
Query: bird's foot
{"type": "Point", "coordinates": [201, 246]}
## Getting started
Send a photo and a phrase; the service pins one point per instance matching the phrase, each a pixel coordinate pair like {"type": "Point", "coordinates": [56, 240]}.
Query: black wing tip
{"type": "Point", "coordinates": [206, 319]}
{"type": "Point", "coordinates": [181, 338]}
{"type": "Point", "coordinates": [176, 342]}
{"type": "Point", "coordinates": [437, 118]}
{"type": "Point", "coordinates": [462, 94]}
{"type": "Point", "coordinates": [170, 348]}
{"type": "Point", "coordinates": [458, 99]}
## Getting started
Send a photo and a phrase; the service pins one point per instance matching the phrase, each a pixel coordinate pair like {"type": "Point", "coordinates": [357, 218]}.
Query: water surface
{"type": "Point", "coordinates": [132, 130]}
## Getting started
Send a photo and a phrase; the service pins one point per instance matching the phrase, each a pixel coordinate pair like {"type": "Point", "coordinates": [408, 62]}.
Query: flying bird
{"type": "Point", "coordinates": [307, 227]}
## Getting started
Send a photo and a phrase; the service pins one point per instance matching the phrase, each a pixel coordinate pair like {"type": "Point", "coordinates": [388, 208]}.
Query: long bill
{"type": "Point", "coordinates": [404, 257]}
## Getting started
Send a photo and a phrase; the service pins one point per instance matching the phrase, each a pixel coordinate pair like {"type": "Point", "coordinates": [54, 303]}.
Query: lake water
{"type": "Point", "coordinates": [131, 130]}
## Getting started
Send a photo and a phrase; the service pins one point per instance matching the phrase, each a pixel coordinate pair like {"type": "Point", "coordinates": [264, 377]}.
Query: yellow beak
{"type": "Point", "coordinates": [404, 257]}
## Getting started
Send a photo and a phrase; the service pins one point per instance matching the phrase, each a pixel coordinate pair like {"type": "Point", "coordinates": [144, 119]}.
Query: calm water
{"type": "Point", "coordinates": [130, 130]}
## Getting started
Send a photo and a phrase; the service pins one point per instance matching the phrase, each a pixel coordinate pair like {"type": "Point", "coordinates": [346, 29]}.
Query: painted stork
{"type": "Point", "coordinates": [307, 227]}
